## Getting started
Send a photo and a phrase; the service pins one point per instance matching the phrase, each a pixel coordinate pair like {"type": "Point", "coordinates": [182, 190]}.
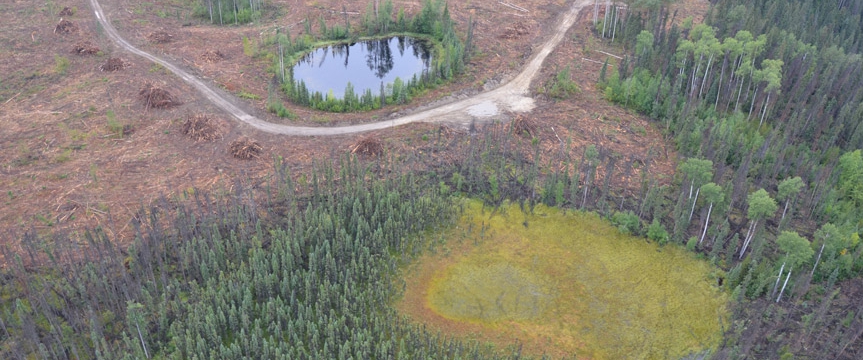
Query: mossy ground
{"type": "Point", "coordinates": [565, 283]}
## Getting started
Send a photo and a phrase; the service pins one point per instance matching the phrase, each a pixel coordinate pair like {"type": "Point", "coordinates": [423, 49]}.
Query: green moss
{"type": "Point", "coordinates": [576, 280]}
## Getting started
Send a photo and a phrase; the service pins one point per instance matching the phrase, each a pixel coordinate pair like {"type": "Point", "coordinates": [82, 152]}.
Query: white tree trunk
{"type": "Point", "coordinates": [693, 204]}
{"type": "Point", "coordinates": [783, 286]}
{"type": "Point", "coordinates": [704, 78]}
{"type": "Point", "coordinates": [586, 185]}
{"type": "Point", "coordinates": [749, 235]}
{"type": "Point", "coordinates": [763, 113]}
{"type": "Point", "coordinates": [817, 260]}
{"type": "Point", "coordinates": [605, 20]}
{"type": "Point", "coordinates": [739, 91]}
{"type": "Point", "coordinates": [691, 187]}
{"type": "Point", "coordinates": [706, 221]}
{"type": "Point", "coordinates": [785, 209]}
{"type": "Point", "coordinates": [143, 345]}
{"type": "Point", "coordinates": [721, 75]}
{"type": "Point", "coordinates": [752, 104]}
{"type": "Point", "coordinates": [778, 279]}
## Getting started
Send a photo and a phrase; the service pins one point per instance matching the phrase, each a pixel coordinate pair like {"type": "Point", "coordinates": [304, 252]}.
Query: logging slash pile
{"type": "Point", "coordinates": [84, 48]}
{"type": "Point", "coordinates": [160, 37]}
{"type": "Point", "coordinates": [155, 97]}
{"type": "Point", "coordinates": [523, 126]}
{"type": "Point", "coordinates": [65, 27]}
{"type": "Point", "coordinates": [114, 64]}
{"type": "Point", "coordinates": [200, 127]}
{"type": "Point", "coordinates": [212, 56]}
{"type": "Point", "coordinates": [369, 146]}
{"type": "Point", "coordinates": [515, 31]}
{"type": "Point", "coordinates": [245, 149]}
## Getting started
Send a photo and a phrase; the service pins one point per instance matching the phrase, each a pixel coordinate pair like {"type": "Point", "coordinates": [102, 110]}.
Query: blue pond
{"type": "Point", "coordinates": [364, 64]}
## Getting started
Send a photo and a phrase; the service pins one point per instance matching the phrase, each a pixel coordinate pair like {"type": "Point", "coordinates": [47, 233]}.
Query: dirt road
{"type": "Point", "coordinates": [512, 96]}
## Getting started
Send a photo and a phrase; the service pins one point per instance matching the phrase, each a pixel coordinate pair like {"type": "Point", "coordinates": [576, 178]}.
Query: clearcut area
{"type": "Point", "coordinates": [565, 283]}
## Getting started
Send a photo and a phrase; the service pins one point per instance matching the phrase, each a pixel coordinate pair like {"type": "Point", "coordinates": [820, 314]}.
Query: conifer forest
{"type": "Point", "coordinates": [762, 102]}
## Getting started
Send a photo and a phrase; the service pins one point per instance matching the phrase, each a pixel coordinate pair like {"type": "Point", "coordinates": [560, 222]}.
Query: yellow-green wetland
{"type": "Point", "coordinates": [565, 284]}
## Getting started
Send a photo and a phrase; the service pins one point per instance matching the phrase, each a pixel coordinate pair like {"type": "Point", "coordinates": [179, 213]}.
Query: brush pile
{"type": "Point", "coordinates": [200, 127]}
{"type": "Point", "coordinates": [514, 31]}
{"type": "Point", "coordinates": [65, 27]}
{"type": "Point", "coordinates": [160, 37]}
{"type": "Point", "coordinates": [369, 146]}
{"type": "Point", "coordinates": [155, 97]}
{"type": "Point", "coordinates": [85, 48]}
{"type": "Point", "coordinates": [245, 149]}
{"type": "Point", "coordinates": [66, 12]}
{"type": "Point", "coordinates": [523, 126]}
{"type": "Point", "coordinates": [114, 64]}
{"type": "Point", "coordinates": [212, 56]}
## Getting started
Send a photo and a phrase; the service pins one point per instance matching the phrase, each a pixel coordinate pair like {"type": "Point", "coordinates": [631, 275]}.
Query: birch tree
{"type": "Point", "coordinates": [761, 205]}
{"type": "Point", "coordinates": [797, 251]}
{"type": "Point", "coordinates": [788, 190]}
{"type": "Point", "coordinates": [771, 73]}
{"type": "Point", "coordinates": [712, 194]}
{"type": "Point", "coordinates": [699, 172]}
{"type": "Point", "coordinates": [591, 156]}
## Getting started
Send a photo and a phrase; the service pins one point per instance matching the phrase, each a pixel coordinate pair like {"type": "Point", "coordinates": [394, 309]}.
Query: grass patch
{"type": "Point", "coordinates": [61, 64]}
{"type": "Point", "coordinates": [276, 107]}
{"type": "Point", "coordinates": [247, 95]}
{"type": "Point", "coordinates": [565, 284]}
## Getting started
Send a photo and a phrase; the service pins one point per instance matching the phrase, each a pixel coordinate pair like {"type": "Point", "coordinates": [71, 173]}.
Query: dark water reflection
{"type": "Point", "coordinates": [364, 64]}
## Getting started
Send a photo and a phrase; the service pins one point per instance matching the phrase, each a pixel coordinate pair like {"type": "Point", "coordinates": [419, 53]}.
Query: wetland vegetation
{"type": "Point", "coordinates": [567, 283]}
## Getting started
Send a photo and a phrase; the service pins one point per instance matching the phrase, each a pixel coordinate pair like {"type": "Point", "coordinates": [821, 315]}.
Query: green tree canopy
{"type": "Point", "coordinates": [789, 188]}
{"type": "Point", "coordinates": [712, 193]}
{"type": "Point", "coordinates": [851, 177]}
{"type": "Point", "coordinates": [699, 171]}
{"type": "Point", "coordinates": [796, 248]}
{"type": "Point", "coordinates": [761, 205]}
{"type": "Point", "coordinates": [644, 42]}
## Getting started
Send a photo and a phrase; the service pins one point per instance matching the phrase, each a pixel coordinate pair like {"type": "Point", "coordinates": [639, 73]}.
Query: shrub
{"type": "Point", "coordinates": [280, 110]}
{"type": "Point", "coordinates": [562, 86]}
{"type": "Point", "coordinates": [657, 232]}
{"type": "Point", "coordinates": [627, 222]}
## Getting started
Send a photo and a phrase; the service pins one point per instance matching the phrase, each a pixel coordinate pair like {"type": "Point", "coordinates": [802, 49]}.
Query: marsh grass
{"type": "Point", "coordinates": [564, 284]}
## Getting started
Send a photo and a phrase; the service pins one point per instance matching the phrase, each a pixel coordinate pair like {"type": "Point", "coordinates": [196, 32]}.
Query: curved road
{"type": "Point", "coordinates": [512, 96]}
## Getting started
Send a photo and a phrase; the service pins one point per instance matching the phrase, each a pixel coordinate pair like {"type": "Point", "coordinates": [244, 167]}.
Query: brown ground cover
{"type": "Point", "coordinates": [63, 165]}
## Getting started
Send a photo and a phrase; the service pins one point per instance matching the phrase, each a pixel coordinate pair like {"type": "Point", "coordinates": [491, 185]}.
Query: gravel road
{"type": "Point", "coordinates": [512, 96]}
